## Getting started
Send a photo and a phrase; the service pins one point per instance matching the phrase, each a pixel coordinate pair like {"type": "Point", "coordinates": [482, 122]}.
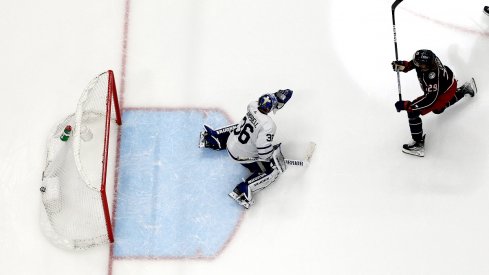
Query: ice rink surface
{"type": "Point", "coordinates": [362, 207]}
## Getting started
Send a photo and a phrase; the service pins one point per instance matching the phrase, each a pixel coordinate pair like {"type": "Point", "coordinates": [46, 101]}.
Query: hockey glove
{"type": "Point", "coordinates": [400, 66]}
{"type": "Point", "coordinates": [282, 97]}
{"type": "Point", "coordinates": [403, 105]}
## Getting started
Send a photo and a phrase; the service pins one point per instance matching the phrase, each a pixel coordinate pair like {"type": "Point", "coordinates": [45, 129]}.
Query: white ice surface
{"type": "Point", "coordinates": [362, 207]}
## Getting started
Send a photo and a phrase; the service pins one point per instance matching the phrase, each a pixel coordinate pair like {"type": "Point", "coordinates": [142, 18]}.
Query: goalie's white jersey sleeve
{"type": "Point", "coordinates": [253, 137]}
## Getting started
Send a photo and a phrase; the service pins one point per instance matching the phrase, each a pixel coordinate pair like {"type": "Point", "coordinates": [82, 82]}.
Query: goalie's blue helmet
{"type": "Point", "coordinates": [267, 103]}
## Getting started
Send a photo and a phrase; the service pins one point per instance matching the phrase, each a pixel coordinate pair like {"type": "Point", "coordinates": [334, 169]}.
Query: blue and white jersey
{"type": "Point", "coordinates": [252, 139]}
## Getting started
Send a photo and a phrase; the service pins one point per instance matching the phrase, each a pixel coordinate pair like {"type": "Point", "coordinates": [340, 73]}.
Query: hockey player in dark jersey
{"type": "Point", "coordinates": [440, 91]}
{"type": "Point", "coordinates": [486, 10]}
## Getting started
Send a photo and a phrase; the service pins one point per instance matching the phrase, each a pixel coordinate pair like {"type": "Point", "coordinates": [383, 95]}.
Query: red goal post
{"type": "Point", "coordinates": [76, 210]}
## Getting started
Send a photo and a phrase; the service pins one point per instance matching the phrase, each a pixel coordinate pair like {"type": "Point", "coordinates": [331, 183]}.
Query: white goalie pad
{"type": "Point", "coordinates": [278, 159]}
{"type": "Point", "coordinates": [263, 180]}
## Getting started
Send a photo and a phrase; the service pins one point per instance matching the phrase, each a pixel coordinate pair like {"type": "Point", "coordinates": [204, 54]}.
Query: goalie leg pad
{"type": "Point", "coordinates": [243, 192]}
{"type": "Point", "coordinates": [257, 182]}
{"type": "Point", "coordinates": [278, 160]}
{"type": "Point", "coordinates": [212, 139]}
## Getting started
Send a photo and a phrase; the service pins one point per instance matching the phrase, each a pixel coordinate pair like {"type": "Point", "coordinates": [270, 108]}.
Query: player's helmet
{"type": "Point", "coordinates": [424, 59]}
{"type": "Point", "coordinates": [267, 103]}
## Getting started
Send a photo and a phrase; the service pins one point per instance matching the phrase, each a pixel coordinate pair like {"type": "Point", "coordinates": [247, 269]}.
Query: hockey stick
{"type": "Point", "coordinates": [393, 8]}
{"type": "Point", "coordinates": [298, 162]}
{"type": "Point", "coordinates": [307, 158]}
{"type": "Point", "coordinates": [293, 162]}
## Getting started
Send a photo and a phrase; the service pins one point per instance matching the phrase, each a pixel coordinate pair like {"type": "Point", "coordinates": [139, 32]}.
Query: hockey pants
{"type": "Point", "coordinates": [414, 117]}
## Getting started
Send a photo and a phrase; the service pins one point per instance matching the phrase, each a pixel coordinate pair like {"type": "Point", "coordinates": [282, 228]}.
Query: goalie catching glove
{"type": "Point", "coordinates": [282, 97]}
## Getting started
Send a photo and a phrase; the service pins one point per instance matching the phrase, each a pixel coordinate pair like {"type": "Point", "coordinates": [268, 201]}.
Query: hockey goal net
{"type": "Point", "coordinates": [74, 180]}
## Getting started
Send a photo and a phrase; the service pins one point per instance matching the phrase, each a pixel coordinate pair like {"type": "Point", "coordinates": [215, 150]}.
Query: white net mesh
{"type": "Point", "coordinates": [73, 184]}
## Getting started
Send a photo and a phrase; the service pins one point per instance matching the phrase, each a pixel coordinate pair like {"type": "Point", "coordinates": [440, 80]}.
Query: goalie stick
{"type": "Point", "coordinates": [307, 159]}
{"type": "Point", "coordinates": [293, 162]}
{"type": "Point", "coordinates": [311, 147]}
{"type": "Point", "coordinates": [393, 8]}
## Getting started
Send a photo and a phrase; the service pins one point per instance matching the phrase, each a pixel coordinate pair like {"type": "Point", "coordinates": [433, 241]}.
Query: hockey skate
{"type": "Point", "coordinates": [469, 88]}
{"type": "Point", "coordinates": [416, 148]}
{"type": "Point", "coordinates": [486, 10]}
{"type": "Point", "coordinates": [240, 197]}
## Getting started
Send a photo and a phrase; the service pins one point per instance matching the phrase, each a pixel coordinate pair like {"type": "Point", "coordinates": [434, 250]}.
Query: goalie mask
{"type": "Point", "coordinates": [267, 103]}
